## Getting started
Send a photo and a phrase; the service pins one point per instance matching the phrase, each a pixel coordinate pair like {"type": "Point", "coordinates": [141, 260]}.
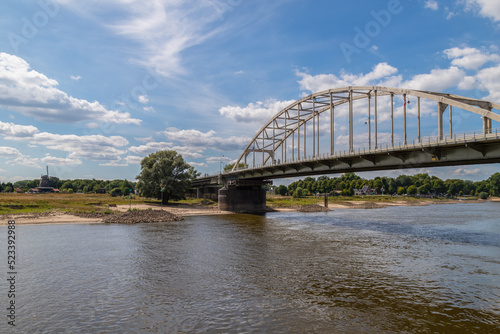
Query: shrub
{"type": "Point", "coordinates": [483, 195]}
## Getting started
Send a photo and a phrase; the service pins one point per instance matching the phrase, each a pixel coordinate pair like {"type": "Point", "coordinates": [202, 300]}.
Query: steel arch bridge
{"type": "Point", "coordinates": [291, 123]}
{"type": "Point", "coordinates": [288, 145]}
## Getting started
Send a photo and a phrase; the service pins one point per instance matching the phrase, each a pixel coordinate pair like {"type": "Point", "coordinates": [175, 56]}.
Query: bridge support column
{"type": "Point", "coordinates": [243, 198]}
{"type": "Point", "coordinates": [441, 108]}
{"type": "Point", "coordinates": [486, 125]}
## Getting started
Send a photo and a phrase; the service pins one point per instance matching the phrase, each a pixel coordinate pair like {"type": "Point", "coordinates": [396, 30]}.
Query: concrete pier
{"type": "Point", "coordinates": [242, 199]}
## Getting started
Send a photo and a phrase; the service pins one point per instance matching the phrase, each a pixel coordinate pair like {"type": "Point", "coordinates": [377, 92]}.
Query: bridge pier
{"type": "Point", "coordinates": [246, 197]}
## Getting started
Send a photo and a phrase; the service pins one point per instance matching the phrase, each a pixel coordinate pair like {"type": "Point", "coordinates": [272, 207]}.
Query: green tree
{"type": "Point", "coordinates": [494, 184]}
{"type": "Point", "coordinates": [438, 186]}
{"type": "Point", "coordinates": [167, 172]}
{"type": "Point", "coordinates": [229, 167]}
{"type": "Point", "coordinates": [401, 190]}
{"type": "Point", "coordinates": [412, 190]}
{"type": "Point", "coordinates": [423, 190]}
{"type": "Point", "coordinates": [126, 188]}
{"type": "Point", "coordinates": [282, 190]}
{"type": "Point", "coordinates": [298, 193]}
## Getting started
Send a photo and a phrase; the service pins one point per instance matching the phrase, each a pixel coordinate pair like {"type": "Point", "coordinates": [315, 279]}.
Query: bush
{"type": "Point", "coordinates": [116, 192]}
{"type": "Point", "coordinates": [483, 195]}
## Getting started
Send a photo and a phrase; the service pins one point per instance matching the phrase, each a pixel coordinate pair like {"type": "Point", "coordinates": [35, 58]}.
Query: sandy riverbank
{"type": "Point", "coordinates": [186, 210]}
{"type": "Point", "coordinates": [54, 217]}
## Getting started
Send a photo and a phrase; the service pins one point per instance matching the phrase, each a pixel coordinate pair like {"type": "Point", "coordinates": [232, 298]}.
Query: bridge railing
{"type": "Point", "coordinates": [429, 141]}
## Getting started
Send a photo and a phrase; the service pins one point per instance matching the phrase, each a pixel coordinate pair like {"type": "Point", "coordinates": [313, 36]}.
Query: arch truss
{"type": "Point", "coordinates": [285, 137]}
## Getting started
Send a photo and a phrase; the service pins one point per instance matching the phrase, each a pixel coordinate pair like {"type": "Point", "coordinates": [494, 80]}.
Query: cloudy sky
{"type": "Point", "coordinates": [91, 87]}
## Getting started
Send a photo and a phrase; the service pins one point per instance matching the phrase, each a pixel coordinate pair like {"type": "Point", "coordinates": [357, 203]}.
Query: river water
{"type": "Point", "coordinates": [398, 269]}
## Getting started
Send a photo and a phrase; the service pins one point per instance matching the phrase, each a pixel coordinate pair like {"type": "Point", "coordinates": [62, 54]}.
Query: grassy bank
{"type": "Point", "coordinates": [12, 203]}
{"type": "Point", "coordinates": [39, 203]}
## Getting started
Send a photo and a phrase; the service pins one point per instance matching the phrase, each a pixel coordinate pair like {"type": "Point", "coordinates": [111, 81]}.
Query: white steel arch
{"type": "Point", "coordinates": [291, 122]}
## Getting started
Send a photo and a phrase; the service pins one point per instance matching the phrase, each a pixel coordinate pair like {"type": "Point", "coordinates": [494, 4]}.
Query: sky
{"type": "Point", "coordinates": [89, 88]}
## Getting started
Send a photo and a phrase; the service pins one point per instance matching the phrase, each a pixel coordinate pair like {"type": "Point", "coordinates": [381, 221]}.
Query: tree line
{"type": "Point", "coordinates": [114, 187]}
{"type": "Point", "coordinates": [419, 184]}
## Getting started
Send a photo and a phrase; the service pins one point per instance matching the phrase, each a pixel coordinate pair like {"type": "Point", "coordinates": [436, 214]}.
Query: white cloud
{"type": "Point", "coordinates": [204, 140]}
{"type": "Point", "coordinates": [132, 159]}
{"type": "Point", "coordinates": [75, 77]}
{"type": "Point", "coordinates": [9, 152]}
{"type": "Point", "coordinates": [258, 112]}
{"type": "Point", "coordinates": [438, 80]}
{"type": "Point", "coordinates": [197, 164]}
{"type": "Point", "coordinates": [149, 109]}
{"type": "Point", "coordinates": [114, 164]}
{"type": "Point", "coordinates": [381, 74]}
{"type": "Point", "coordinates": [488, 79]}
{"type": "Point", "coordinates": [162, 28]}
{"type": "Point", "coordinates": [92, 147]}
{"type": "Point", "coordinates": [33, 94]}
{"type": "Point", "coordinates": [144, 139]}
{"type": "Point", "coordinates": [25, 161]}
{"type": "Point", "coordinates": [54, 161]}
{"type": "Point", "coordinates": [11, 130]}
{"type": "Point", "coordinates": [486, 8]}
{"type": "Point", "coordinates": [151, 147]}
{"type": "Point", "coordinates": [465, 172]}
{"type": "Point", "coordinates": [143, 99]}
{"type": "Point", "coordinates": [432, 4]}
{"type": "Point", "coordinates": [469, 58]}
{"type": "Point", "coordinates": [213, 160]}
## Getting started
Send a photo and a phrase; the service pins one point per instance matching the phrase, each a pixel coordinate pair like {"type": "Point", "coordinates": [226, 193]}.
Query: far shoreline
{"type": "Point", "coordinates": [64, 218]}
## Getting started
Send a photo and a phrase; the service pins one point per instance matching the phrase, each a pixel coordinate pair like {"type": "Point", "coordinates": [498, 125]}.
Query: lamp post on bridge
{"type": "Point", "coordinates": [220, 164]}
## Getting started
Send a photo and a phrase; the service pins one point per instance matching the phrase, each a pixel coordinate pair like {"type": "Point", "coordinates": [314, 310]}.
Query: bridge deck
{"type": "Point", "coordinates": [465, 149]}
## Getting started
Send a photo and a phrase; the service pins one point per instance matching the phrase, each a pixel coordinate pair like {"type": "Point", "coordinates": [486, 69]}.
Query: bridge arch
{"type": "Point", "coordinates": [292, 122]}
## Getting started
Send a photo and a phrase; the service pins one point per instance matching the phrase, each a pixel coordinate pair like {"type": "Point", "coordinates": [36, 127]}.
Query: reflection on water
{"type": "Point", "coordinates": [401, 269]}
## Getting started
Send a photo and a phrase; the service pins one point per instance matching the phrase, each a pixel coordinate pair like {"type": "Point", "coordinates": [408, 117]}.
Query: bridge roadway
{"type": "Point", "coordinates": [466, 149]}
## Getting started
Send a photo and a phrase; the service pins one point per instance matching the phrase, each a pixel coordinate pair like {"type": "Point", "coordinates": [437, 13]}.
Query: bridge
{"type": "Point", "coordinates": [300, 139]}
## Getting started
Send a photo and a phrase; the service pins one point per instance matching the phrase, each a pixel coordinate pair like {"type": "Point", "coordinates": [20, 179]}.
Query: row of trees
{"type": "Point", "coordinates": [116, 187]}
{"type": "Point", "coordinates": [421, 184]}
{"type": "Point", "coordinates": [164, 175]}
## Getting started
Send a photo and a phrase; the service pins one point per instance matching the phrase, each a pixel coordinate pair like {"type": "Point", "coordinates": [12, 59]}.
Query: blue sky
{"type": "Point", "coordinates": [91, 87]}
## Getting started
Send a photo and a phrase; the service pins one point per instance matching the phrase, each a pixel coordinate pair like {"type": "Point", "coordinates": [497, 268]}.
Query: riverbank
{"type": "Point", "coordinates": [99, 212]}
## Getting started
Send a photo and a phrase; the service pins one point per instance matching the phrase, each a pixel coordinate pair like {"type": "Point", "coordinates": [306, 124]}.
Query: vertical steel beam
{"type": "Point", "coordinates": [298, 131]}
{"type": "Point", "coordinates": [369, 122]}
{"type": "Point", "coordinates": [404, 118]}
{"type": "Point", "coordinates": [263, 147]}
{"type": "Point", "coordinates": [253, 153]}
{"type": "Point", "coordinates": [274, 141]}
{"type": "Point", "coordinates": [314, 127]}
{"type": "Point", "coordinates": [351, 142]}
{"type": "Point", "coordinates": [392, 119]}
{"type": "Point", "coordinates": [305, 143]}
{"type": "Point", "coordinates": [317, 135]}
{"type": "Point", "coordinates": [376, 121]}
{"type": "Point", "coordinates": [451, 123]}
{"type": "Point", "coordinates": [441, 108]}
{"type": "Point", "coordinates": [284, 141]}
{"type": "Point", "coordinates": [418, 111]}
{"type": "Point", "coordinates": [332, 126]}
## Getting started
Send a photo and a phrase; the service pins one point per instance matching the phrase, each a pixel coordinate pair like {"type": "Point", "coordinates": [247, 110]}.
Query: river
{"type": "Point", "coordinates": [397, 269]}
